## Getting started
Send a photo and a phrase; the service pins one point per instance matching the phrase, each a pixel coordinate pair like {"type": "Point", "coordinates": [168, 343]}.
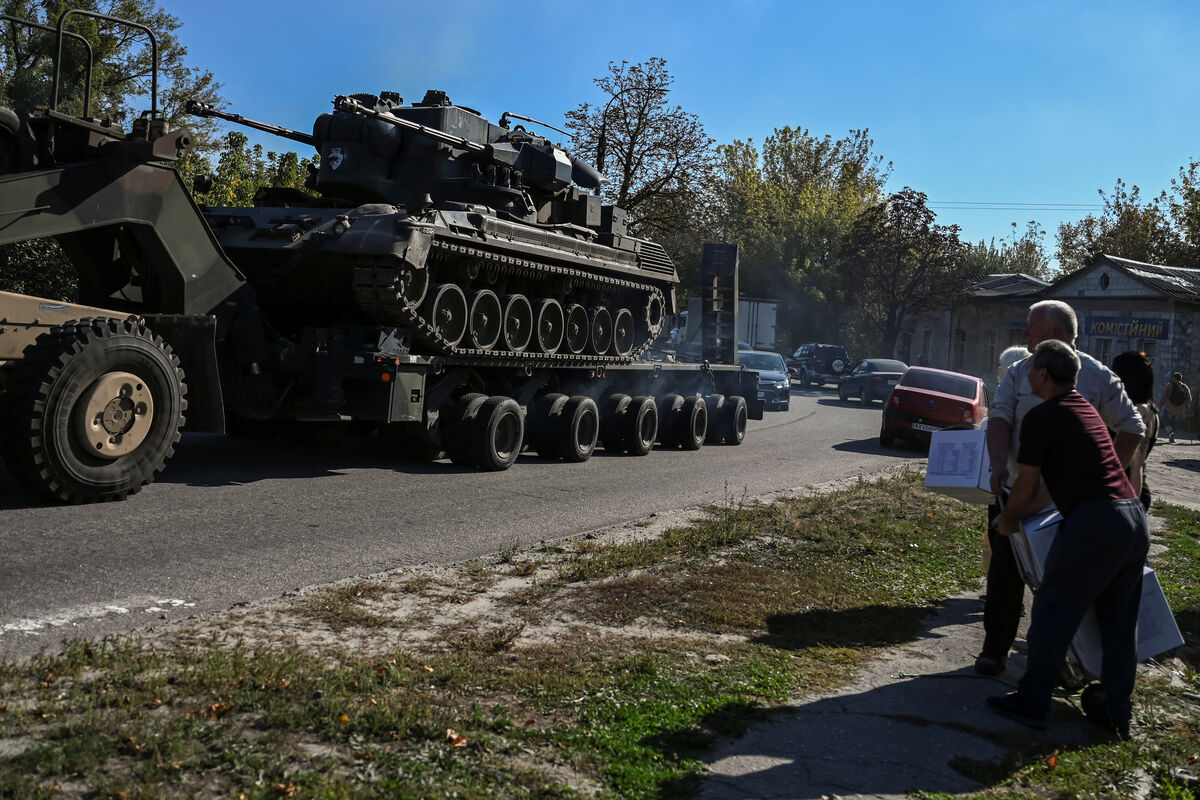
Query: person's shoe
{"type": "Point", "coordinates": [989, 665]}
{"type": "Point", "coordinates": [1011, 706]}
{"type": "Point", "coordinates": [1093, 701]}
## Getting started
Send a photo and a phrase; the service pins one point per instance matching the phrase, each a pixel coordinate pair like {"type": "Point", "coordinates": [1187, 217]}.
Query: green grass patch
{"type": "Point", "coordinates": [765, 601]}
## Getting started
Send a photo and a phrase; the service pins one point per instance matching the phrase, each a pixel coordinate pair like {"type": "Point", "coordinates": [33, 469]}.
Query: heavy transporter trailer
{"type": "Point", "coordinates": [170, 335]}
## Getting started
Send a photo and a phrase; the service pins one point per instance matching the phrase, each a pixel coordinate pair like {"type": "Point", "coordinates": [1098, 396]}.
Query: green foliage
{"type": "Point", "coordinates": [790, 208]}
{"type": "Point", "coordinates": [39, 268]}
{"type": "Point", "coordinates": [242, 170]}
{"type": "Point", "coordinates": [1126, 227]}
{"type": "Point", "coordinates": [1025, 254]}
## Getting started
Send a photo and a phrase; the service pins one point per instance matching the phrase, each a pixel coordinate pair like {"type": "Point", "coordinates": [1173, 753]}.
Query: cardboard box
{"type": "Point", "coordinates": [1157, 631]}
{"type": "Point", "coordinates": [959, 465]}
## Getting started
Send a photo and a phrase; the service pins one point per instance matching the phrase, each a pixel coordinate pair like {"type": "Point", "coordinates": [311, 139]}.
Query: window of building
{"type": "Point", "coordinates": [1102, 350]}
{"type": "Point", "coordinates": [926, 347]}
{"type": "Point", "coordinates": [991, 350]}
{"type": "Point", "coordinates": [960, 347]}
{"type": "Point", "coordinates": [1148, 346]}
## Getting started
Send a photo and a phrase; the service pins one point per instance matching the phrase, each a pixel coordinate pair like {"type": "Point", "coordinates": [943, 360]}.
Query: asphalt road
{"type": "Point", "coordinates": [232, 521]}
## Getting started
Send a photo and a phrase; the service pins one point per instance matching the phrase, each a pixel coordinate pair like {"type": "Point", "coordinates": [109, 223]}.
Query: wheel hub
{"type": "Point", "coordinates": [115, 415]}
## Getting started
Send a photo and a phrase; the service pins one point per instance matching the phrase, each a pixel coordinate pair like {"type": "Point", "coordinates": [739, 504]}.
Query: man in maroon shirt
{"type": "Point", "coordinates": [1097, 557]}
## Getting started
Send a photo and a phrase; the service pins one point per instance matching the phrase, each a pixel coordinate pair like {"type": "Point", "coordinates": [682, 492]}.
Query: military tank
{"type": "Point", "coordinates": [484, 243]}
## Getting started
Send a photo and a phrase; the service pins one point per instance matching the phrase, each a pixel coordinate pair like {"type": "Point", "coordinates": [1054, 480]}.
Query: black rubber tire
{"type": "Point", "coordinates": [641, 425]}
{"type": "Point", "coordinates": [540, 428]}
{"type": "Point", "coordinates": [578, 428]}
{"type": "Point", "coordinates": [45, 395]}
{"type": "Point", "coordinates": [670, 411]}
{"type": "Point", "coordinates": [736, 415]}
{"type": "Point", "coordinates": [887, 439]}
{"type": "Point", "coordinates": [716, 418]}
{"type": "Point", "coordinates": [694, 425]}
{"type": "Point", "coordinates": [498, 434]}
{"type": "Point", "coordinates": [612, 422]}
{"type": "Point", "coordinates": [843, 395]}
{"type": "Point", "coordinates": [458, 429]}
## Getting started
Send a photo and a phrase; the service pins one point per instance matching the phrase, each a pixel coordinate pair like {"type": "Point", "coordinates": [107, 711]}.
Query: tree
{"type": "Point", "coordinates": [901, 262]}
{"type": "Point", "coordinates": [790, 210]}
{"type": "Point", "coordinates": [1184, 206]}
{"type": "Point", "coordinates": [119, 91]}
{"type": "Point", "coordinates": [121, 78]}
{"type": "Point", "coordinates": [658, 158]}
{"type": "Point", "coordinates": [1126, 227]}
{"type": "Point", "coordinates": [1025, 254]}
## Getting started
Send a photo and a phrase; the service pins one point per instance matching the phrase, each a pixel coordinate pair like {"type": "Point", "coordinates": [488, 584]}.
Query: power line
{"type": "Point", "coordinates": [990, 205]}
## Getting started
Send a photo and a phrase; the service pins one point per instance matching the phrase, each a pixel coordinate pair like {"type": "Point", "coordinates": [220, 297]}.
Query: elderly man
{"type": "Point", "coordinates": [1048, 319]}
{"type": "Point", "coordinates": [1097, 557]}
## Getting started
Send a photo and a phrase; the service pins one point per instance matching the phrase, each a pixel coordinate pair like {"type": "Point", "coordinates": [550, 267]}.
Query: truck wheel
{"type": "Point", "coordinates": [641, 426]}
{"type": "Point", "coordinates": [670, 408]}
{"type": "Point", "coordinates": [735, 419]}
{"type": "Point", "coordinates": [498, 433]}
{"type": "Point", "coordinates": [93, 411]}
{"type": "Point", "coordinates": [716, 418]}
{"type": "Point", "coordinates": [462, 424]}
{"type": "Point", "coordinates": [612, 422]}
{"type": "Point", "coordinates": [578, 428]}
{"type": "Point", "coordinates": [540, 427]}
{"type": "Point", "coordinates": [695, 423]}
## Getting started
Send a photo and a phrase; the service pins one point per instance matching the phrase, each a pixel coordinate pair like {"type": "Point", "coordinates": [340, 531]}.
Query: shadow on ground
{"type": "Point", "coordinates": [913, 721]}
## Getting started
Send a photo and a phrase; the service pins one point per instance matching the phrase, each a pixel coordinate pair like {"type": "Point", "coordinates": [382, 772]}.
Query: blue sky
{"type": "Point", "coordinates": [1032, 104]}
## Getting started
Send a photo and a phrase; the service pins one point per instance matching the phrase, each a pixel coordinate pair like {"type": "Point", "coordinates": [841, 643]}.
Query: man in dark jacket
{"type": "Point", "coordinates": [1097, 557]}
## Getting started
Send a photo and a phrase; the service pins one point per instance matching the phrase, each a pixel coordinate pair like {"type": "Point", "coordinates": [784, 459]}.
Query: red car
{"type": "Point", "coordinates": [927, 400]}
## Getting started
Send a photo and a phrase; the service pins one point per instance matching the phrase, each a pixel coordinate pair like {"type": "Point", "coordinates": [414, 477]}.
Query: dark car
{"type": "Point", "coordinates": [927, 400]}
{"type": "Point", "coordinates": [871, 379]}
{"type": "Point", "coordinates": [774, 387]}
{"type": "Point", "coordinates": [819, 364]}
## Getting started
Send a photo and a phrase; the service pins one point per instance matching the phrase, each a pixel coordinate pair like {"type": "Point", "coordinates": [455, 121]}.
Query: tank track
{"type": "Point", "coordinates": [376, 292]}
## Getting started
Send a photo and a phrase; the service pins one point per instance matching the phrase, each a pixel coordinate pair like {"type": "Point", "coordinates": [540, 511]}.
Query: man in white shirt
{"type": "Point", "coordinates": [1048, 319]}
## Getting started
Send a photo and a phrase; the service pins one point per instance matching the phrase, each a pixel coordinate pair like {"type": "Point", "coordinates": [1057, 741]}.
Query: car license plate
{"type": "Point", "coordinates": [891, 383]}
{"type": "Point", "coordinates": [762, 395]}
{"type": "Point", "coordinates": [921, 426]}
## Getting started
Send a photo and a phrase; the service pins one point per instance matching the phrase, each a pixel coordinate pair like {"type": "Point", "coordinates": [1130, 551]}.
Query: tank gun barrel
{"type": "Point", "coordinates": [198, 109]}
{"type": "Point", "coordinates": [351, 106]}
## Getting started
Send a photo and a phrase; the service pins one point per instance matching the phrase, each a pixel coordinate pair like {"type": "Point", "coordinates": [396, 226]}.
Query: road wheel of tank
{"type": "Point", "coordinates": [601, 330]}
{"type": "Point", "coordinates": [498, 433]}
{"type": "Point", "coordinates": [518, 322]}
{"type": "Point", "coordinates": [716, 418]}
{"type": "Point", "coordinates": [653, 313]}
{"type": "Point", "coordinates": [641, 425]}
{"type": "Point", "coordinates": [577, 328]}
{"type": "Point", "coordinates": [485, 318]}
{"type": "Point", "coordinates": [550, 325]}
{"type": "Point", "coordinates": [670, 412]}
{"type": "Point", "coordinates": [694, 425]}
{"type": "Point", "coordinates": [461, 427]}
{"type": "Point", "coordinates": [734, 421]}
{"type": "Point", "coordinates": [612, 422]}
{"type": "Point", "coordinates": [540, 432]}
{"type": "Point", "coordinates": [622, 335]}
{"type": "Point", "coordinates": [578, 428]}
{"type": "Point", "coordinates": [446, 310]}
{"type": "Point", "coordinates": [93, 411]}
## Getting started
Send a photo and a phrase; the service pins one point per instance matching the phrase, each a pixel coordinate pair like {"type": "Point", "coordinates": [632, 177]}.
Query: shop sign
{"type": "Point", "coordinates": [1127, 327]}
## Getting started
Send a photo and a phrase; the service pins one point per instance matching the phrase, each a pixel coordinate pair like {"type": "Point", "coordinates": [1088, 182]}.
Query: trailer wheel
{"type": "Point", "coordinates": [670, 409]}
{"type": "Point", "coordinates": [716, 418]}
{"type": "Point", "coordinates": [578, 428]}
{"type": "Point", "coordinates": [461, 427]}
{"type": "Point", "coordinates": [641, 426]}
{"type": "Point", "coordinates": [612, 422]}
{"type": "Point", "coordinates": [93, 411]}
{"type": "Point", "coordinates": [539, 428]}
{"type": "Point", "coordinates": [694, 423]}
{"type": "Point", "coordinates": [498, 433]}
{"type": "Point", "coordinates": [735, 419]}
